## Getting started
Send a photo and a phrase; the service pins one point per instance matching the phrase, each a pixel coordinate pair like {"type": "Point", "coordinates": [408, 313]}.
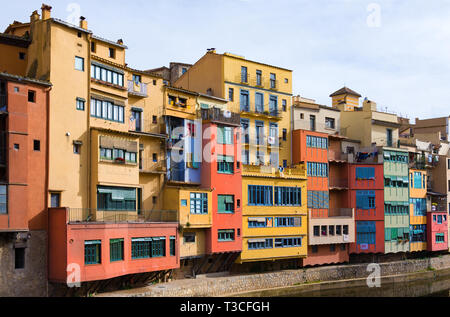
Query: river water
{"type": "Point", "coordinates": [436, 287]}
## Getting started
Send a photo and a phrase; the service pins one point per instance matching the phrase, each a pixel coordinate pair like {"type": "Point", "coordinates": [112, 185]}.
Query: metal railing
{"type": "Point", "coordinates": [218, 115]}
{"type": "Point", "coordinates": [270, 113]}
{"type": "Point", "coordinates": [149, 166]}
{"type": "Point", "coordinates": [138, 90]}
{"type": "Point", "coordinates": [297, 171]}
{"type": "Point", "coordinates": [84, 215]}
{"type": "Point", "coordinates": [338, 183]}
{"type": "Point", "coordinates": [332, 213]}
{"type": "Point", "coordinates": [147, 126]}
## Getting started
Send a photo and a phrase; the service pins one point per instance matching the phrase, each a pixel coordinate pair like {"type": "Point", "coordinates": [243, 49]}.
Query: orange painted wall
{"type": "Point", "coordinates": [326, 256]}
{"type": "Point", "coordinates": [223, 184]}
{"type": "Point", "coordinates": [26, 122]}
{"type": "Point", "coordinates": [70, 239]}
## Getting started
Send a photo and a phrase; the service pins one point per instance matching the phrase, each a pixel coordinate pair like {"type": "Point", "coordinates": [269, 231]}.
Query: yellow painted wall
{"type": "Point", "coordinates": [196, 248]}
{"type": "Point", "coordinates": [10, 61]}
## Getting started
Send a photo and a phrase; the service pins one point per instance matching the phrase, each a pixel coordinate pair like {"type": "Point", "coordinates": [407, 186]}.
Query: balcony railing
{"type": "Point", "coordinates": [218, 115]}
{"type": "Point", "coordinates": [147, 126]}
{"type": "Point", "coordinates": [338, 183]}
{"type": "Point", "coordinates": [332, 213]}
{"type": "Point", "coordinates": [150, 167]}
{"type": "Point", "coordinates": [139, 90]}
{"type": "Point", "coordinates": [298, 171]}
{"type": "Point", "coordinates": [337, 156]}
{"type": "Point", "coordinates": [249, 110]}
{"type": "Point", "coordinates": [82, 215]}
{"type": "Point", "coordinates": [419, 164]}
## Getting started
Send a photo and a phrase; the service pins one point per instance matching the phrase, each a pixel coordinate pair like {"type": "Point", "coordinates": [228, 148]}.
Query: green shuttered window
{"type": "Point", "coordinates": [225, 203]}
{"type": "Point", "coordinates": [116, 250]}
{"type": "Point", "coordinates": [92, 252]}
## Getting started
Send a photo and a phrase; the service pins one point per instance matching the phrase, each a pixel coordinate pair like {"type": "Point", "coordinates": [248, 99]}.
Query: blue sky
{"type": "Point", "coordinates": [395, 52]}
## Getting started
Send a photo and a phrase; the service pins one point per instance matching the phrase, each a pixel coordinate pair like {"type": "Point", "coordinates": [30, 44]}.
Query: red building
{"type": "Point", "coordinates": [221, 171]}
{"type": "Point", "coordinates": [331, 220]}
{"type": "Point", "coordinates": [84, 252]}
{"type": "Point", "coordinates": [366, 183]}
{"type": "Point", "coordinates": [23, 179]}
{"type": "Point", "coordinates": [437, 230]}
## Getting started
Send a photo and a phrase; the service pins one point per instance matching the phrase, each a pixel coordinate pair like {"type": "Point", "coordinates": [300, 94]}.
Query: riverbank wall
{"type": "Point", "coordinates": [246, 284]}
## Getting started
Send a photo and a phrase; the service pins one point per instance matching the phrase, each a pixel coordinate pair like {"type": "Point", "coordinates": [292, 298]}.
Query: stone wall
{"type": "Point", "coordinates": [224, 286]}
{"type": "Point", "coordinates": [30, 281]}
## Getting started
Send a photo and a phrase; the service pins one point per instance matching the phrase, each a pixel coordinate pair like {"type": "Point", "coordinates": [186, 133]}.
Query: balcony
{"type": "Point", "coordinates": [221, 117]}
{"type": "Point", "coordinates": [332, 213]}
{"type": "Point", "coordinates": [338, 184]}
{"type": "Point", "coordinates": [337, 156]}
{"type": "Point", "coordinates": [84, 215]}
{"type": "Point", "coordinates": [138, 90]}
{"type": "Point", "coordinates": [297, 172]}
{"type": "Point", "coordinates": [271, 114]}
{"type": "Point", "coordinates": [417, 163]}
{"type": "Point", "coordinates": [147, 166]}
{"type": "Point", "coordinates": [151, 127]}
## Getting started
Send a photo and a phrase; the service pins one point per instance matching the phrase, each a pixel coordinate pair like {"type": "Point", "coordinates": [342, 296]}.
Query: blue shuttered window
{"type": "Point", "coordinates": [365, 173]}
{"type": "Point", "coordinates": [365, 199]}
{"type": "Point", "coordinates": [288, 196]}
{"type": "Point", "coordinates": [199, 203]}
{"type": "Point", "coordinates": [260, 195]}
{"type": "Point", "coordinates": [365, 232]}
{"type": "Point", "coordinates": [318, 200]}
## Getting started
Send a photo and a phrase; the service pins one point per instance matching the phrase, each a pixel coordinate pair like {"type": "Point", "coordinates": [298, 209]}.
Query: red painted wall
{"type": "Point", "coordinates": [26, 173]}
{"type": "Point", "coordinates": [66, 243]}
{"type": "Point", "coordinates": [433, 227]}
{"type": "Point", "coordinates": [376, 214]}
{"type": "Point", "coordinates": [223, 184]}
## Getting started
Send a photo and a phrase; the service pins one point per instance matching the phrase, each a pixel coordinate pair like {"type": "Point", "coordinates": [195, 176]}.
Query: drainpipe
{"type": "Point", "coordinates": [88, 123]}
{"type": "Point", "coordinates": [47, 170]}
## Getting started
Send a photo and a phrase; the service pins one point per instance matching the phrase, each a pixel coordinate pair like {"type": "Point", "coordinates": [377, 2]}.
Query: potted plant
{"type": "Point", "coordinates": [120, 160]}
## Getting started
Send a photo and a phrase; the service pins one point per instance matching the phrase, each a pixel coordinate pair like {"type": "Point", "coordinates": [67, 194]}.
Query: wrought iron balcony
{"type": "Point", "coordinates": [220, 116]}
{"type": "Point", "coordinates": [298, 171]}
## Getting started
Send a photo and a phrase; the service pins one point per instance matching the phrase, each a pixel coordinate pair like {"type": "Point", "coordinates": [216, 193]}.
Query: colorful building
{"type": "Point", "coordinates": [23, 179]}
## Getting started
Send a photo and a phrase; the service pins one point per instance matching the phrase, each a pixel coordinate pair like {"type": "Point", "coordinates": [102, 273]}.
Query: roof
{"type": "Point", "coordinates": [344, 91]}
{"type": "Point", "coordinates": [17, 78]}
{"type": "Point", "coordinates": [313, 106]}
{"type": "Point", "coordinates": [98, 38]}
{"type": "Point", "coordinates": [14, 40]}
{"type": "Point", "coordinates": [248, 60]}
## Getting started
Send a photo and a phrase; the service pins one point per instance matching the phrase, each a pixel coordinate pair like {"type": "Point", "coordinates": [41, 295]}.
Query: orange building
{"type": "Point", "coordinates": [23, 179]}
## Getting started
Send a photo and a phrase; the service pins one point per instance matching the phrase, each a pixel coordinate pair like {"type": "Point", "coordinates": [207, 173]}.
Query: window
{"type": "Point", "coordinates": [288, 222]}
{"type": "Point", "coordinates": [137, 79]}
{"type": "Point", "coordinates": [245, 131]}
{"type": "Point", "coordinates": [112, 53]}
{"type": "Point", "coordinates": [225, 235]}
{"type": "Point", "coordinates": [55, 200]}
{"type": "Point", "coordinates": [389, 137]}
{"type": "Point", "coordinates": [31, 96]}
{"type": "Point", "coordinates": [244, 75]}
{"type": "Point", "coordinates": [245, 103]}
{"type": "Point", "coordinates": [79, 34]}
{"type": "Point", "coordinates": [312, 123]}
{"type": "Point", "coordinates": [92, 252]}
{"type": "Point", "coordinates": [273, 81]}
{"type": "Point", "coordinates": [365, 232]}
{"type": "Point", "coordinates": [331, 230]}
{"type": "Point", "coordinates": [37, 145]}
{"type": "Point", "coordinates": [107, 74]}
{"type": "Point", "coordinates": [245, 157]}
{"type": "Point", "coordinates": [225, 164]}
{"type": "Point", "coordinates": [258, 78]}
{"type": "Point", "coordinates": [77, 148]}
{"type": "Point", "coordinates": [189, 237]}
{"type": "Point", "coordinates": [345, 229]}
{"type": "Point", "coordinates": [317, 169]}
{"type": "Point", "coordinates": [338, 230]}
{"type": "Point", "coordinates": [440, 238]}
{"type": "Point", "coordinates": [324, 231]}
{"type": "Point", "coordinates": [285, 164]}
{"type": "Point", "coordinates": [302, 116]}
{"type": "Point", "coordinates": [288, 242]}
{"type": "Point", "coordinates": [318, 199]}
{"type": "Point", "coordinates": [79, 63]}
{"type": "Point", "coordinates": [260, 195]}
{"type": "Point", "coordinates": [3, 199]}
{"type": "Point", "coordinates": [225, 204]}
{"type": "Point", "coordinates": [286, 81]}
{"type": "Point", "coordinates": [316, 142]}
{"type": "Point", "coordinates": [158, 247]}
{"type": "Point", "coordinates": [21, 56]}
{"type": "Point", "coordinates": [231, 94]}
{"type": "Point", "coordinates": [365, 199]}
{"type": "Point", "coordinates": [316, 231]}
{"type": "Point", "coordinates": [172, 246]}
{"type": "Point", "coordinates": [183, 70]}
{"type": "Point", "coordinates": [93, 47]}
{"type": "Point", "coordinates": [315, 249]}
{"type": "Point", "coordinates": [116, 198]}
{"type": "Point", "coordinates": [330, 123]}
{"type": "Point", "coordinates": [199, 203]}
{"type": "Point", "coordinates": [288, 196]}
{"type": "Point", "coordinates": [107, 110]}
{"type": "Point", "coordinates": [225, 135]}
{"type": "Point", "coordinates": [80, 104]}
{"type": "Point", "coordinates": [154, 119]}
{"type": "Point", "coordinates": [332, 247]}
{"type": "Point", "coordinates": [19, 258]}
{"type": "Point", "coordinates": [116, 250]}
{"type": "Point", "coordinates": [284, 105]}
{"type": "Point", "coordinates": [154, 200]}
{"type": "Point", "coordinates": [284, 134]}
{"type": "Point", "coordinates": [273, 105]}
{"type": "Point", "coordinates": [259, 102]}
{"type": "Point", "coordinates": [365, 173]}
{"type": "Point", "coordinates": [141, 248]}
{"type": "Point", "coordinates": [16, 89]}
{"type": "Point", "coordinates": [259, 125]}
{"type": "Point", "coordinates": [260, 244]}
{"type": "Point", "coordinates": [155, 157]}
{"type": "Point", "coordinates": [343, 247]}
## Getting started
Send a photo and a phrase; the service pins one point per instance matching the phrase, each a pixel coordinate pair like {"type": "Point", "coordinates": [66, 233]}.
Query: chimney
{"type": "Point", "coordinates": [120, 41]}
{"type": "Point", "coordinates": [83, 23]}
{"type": "Point", "coordinates": [369, 105]}
{"type": "Point", "coordinates": [34, 17]}
{"type": "Point", "coordinates": [46, 12]}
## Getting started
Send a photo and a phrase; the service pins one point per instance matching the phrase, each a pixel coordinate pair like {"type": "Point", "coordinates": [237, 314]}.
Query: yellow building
{"type": "Point", "coordinates": [262, 95]}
